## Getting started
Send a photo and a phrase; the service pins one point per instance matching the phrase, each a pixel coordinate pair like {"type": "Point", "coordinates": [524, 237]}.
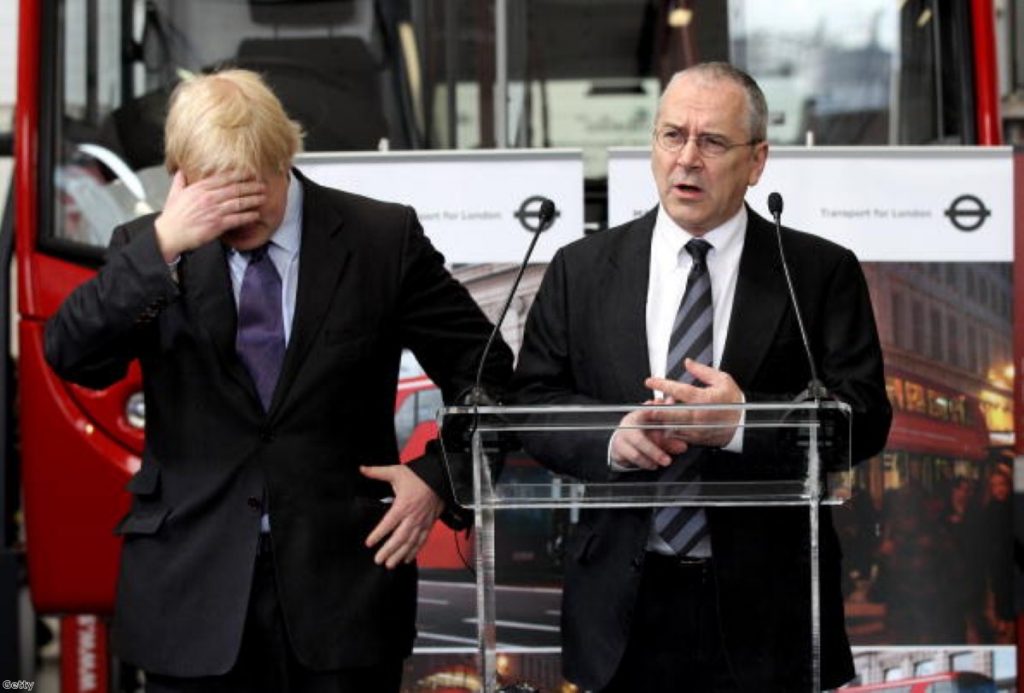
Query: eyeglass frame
{"type": "Point", "coordinates": [702, 137]}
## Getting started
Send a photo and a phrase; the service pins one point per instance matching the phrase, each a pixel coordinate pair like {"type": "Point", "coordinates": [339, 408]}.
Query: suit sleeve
{"type": "Point", "coordinates": [851, 358]}
{"type": "Point", "coordinates": [446, 330]}
{"type": "Point", "coordinates": [98, 330]}
{"type": "Point", "coordinates": [844, 341]}
{"type": "Point", "coordinates": [545, 375]}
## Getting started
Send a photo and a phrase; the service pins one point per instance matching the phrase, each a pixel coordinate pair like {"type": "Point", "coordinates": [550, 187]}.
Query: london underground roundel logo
{"type": "Point", "coordinates": [967, 213]}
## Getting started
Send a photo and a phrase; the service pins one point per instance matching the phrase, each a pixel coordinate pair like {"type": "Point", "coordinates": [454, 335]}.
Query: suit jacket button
{"type": "Point", "coordinates": [254, 503]}
{"type": "Point", "coordinates": [267, 435]}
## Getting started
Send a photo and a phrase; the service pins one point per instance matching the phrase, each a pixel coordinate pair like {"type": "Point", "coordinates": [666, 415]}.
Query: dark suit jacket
{"type": "Point", "coordinates": [370, 284]}
{"type": "Point", "coordinates": [586, 343]}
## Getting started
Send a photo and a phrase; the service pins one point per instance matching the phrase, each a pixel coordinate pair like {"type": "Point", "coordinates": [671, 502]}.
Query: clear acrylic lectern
{"type": "Point", "coordinates": [797, 455]}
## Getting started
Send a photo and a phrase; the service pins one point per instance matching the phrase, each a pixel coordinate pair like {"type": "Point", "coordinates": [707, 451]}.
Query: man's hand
{"type": "Point", "coordinates": [644, 448]}
{"type": "Point", "coordinates": [721, 389]}
{"type": "Point", "coordinates": [200, 212]}
{"type": "Point", "coordinates": [415, 509]}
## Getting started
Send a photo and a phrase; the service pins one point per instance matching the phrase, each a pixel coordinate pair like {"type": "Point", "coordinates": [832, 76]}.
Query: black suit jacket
{"type": "Point", "coordinates": [585, 343]}
{"type": "Point", "coordinates": [370, 284]}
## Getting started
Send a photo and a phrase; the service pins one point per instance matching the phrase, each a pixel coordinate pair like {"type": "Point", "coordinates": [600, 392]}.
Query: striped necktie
{"type": "Point", "coordinates": [686, 529]}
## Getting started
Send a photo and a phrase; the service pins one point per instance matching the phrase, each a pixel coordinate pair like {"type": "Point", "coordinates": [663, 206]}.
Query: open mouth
{"type": "Point", "coordinates": [687, 189]}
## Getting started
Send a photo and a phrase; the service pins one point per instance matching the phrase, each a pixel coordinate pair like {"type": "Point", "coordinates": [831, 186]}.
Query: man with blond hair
{"type": "Point", "coordinates": [272, 537]}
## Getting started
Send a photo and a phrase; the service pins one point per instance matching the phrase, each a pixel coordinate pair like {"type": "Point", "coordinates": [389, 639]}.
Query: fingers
{"type": "Point", "coordinates": [392, 518]}
{"type": "Point", "coordinates": [236, 205]}
{"type": "Point", "coordinates": [634, 448]}
{"type": "Point", "coordinates": [403, 544]}
{"type": "Point", "coordinates": [231, 192]}
{"type": "Point", "coordinates": [177, 183]}
{"type": "Point", "coordinates": [406, 525]}
{"type": "Point", "coordinates": [703, 372]}
{"type": "Point", "coordinates": [232, 221]}
{"type": "Point", "coordinates": [683, 393]}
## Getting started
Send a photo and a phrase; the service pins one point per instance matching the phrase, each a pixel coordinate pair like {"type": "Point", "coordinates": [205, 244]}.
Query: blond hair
{"type": "Point", "coordinates": [228, 121]}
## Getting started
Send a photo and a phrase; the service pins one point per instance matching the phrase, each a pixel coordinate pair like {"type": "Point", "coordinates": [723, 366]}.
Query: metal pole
{"type": "Point", "coordinates": [501, 73]}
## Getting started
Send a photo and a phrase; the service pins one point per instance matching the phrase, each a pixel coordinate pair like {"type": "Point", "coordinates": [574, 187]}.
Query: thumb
{"type": "Point", "coordinates": [379, 473]}
{"type": "Point", "coordinates": [702, 372]}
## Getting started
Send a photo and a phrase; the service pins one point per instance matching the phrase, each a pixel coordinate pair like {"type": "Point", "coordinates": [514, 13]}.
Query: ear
{"type": "Point", "coordinates": [759, 154]}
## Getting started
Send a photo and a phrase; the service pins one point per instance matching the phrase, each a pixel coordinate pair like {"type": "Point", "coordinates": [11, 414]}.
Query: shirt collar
{"type": "Point", "coordinates": [289, 232]}
{"type": "Point", "coordinates": [670, 238]}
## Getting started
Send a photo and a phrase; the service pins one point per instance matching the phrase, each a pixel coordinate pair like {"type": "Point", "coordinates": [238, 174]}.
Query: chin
{"type": "Point", "coordinates": [245, 238]}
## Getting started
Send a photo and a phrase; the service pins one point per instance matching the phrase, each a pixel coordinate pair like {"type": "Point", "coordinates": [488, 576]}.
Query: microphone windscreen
{"type": "Point", "coordinates": [775, 204]}
{"type": "Point", "coordinates": [547, 213]}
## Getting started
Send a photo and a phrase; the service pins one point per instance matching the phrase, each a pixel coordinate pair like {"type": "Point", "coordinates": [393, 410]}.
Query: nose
{"type": "Point", "coordinates": [689, 155]}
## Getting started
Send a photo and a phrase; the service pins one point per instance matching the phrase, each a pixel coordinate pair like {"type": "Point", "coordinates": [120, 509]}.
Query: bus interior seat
{"type": "Point", "coordinates": [330, 85]}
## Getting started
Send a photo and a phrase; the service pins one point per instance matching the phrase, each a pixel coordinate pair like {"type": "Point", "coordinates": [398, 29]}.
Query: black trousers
{"type": "Point", "coordinates": [675, 643]}
{"type": "Point", "coordinates": [266, 662]}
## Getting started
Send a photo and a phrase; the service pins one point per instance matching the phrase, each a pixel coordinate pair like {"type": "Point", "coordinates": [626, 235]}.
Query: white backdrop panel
{"type": "Point", "coordinates": [884, 203]}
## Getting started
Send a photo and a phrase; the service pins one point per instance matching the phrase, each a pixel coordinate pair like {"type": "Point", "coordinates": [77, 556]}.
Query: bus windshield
{"type": "Point", "coordinates": [366, 75]}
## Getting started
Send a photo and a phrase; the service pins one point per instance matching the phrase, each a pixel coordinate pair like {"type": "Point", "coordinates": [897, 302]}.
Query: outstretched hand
{"type": "Point", "coordinates": [407, 523]}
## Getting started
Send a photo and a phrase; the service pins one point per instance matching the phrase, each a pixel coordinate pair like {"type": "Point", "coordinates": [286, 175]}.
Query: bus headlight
{"type": "Point", "coordinates": [135, 411]}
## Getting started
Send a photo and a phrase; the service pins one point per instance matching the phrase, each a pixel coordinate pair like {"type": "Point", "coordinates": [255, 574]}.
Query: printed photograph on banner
{"type": "Point", "coordinates": [927, 533]}
{"type": "Point", "coordinates": [457, 673]}
{"type": "Point", "coordinates": [947, 669]}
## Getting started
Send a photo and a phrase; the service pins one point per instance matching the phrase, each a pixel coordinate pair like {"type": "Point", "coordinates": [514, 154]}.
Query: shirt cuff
{"type": "Point", "coordinates": [736, 444]}
{"type": "Point", "coordinates": [612, 464]}
{"type": "Point", "coordinates": [172, 267]}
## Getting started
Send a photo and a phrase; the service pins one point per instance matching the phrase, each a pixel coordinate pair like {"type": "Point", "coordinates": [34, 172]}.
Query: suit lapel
{"type": "Point", "coordinates": [207, 282]}
{"type": "Point", "coordinates": [322, 259]}
{"type": "Point", "coordinates": [760, 303]}
{"type": "Point", "coordinates": [630, 262]}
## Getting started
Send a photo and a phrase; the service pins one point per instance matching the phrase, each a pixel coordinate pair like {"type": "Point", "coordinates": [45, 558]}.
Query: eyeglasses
{"type": "Point", "coordinates": [672, 140]}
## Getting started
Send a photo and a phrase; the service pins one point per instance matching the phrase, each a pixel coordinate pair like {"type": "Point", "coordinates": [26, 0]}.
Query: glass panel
{"type": "Point", "coordinates": [773, 468]}
{"type": "Point", "coordinates": [8, 64]}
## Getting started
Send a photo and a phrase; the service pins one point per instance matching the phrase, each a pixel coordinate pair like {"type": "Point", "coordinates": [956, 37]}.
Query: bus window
{"type": "Point", "coordinates": [427, 404]}
{"type": "Point", "coordinates": [405, 420]}
{"type": "Point", "coordinates": [332, 63]}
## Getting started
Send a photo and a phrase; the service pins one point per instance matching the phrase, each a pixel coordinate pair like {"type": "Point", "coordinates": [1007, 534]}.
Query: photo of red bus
{"type": "Point", "coordinates": [948, 682]}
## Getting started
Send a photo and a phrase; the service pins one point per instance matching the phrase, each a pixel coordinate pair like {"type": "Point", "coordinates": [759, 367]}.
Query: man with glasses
{"type": "Point", "coordinates": [689, 304]}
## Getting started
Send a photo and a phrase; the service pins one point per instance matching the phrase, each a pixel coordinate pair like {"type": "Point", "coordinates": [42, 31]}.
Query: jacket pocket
{"type": "Point", "coordinates": [145, 482]}
{"type": "Point", "coordinates": [142, 521]}
{"type": "Point", "coordinates": [582, 546]}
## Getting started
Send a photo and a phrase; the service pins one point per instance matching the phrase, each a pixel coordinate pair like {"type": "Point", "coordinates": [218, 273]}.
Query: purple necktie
{"type": "Point", "coordinates": [260, 340]}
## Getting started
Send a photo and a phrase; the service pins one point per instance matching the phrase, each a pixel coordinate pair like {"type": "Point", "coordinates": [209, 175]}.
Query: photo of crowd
{"type": "Point", "coordinates": [927, 531]}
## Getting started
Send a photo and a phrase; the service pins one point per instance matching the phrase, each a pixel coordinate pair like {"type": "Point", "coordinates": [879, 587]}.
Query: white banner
{"type": "Point", "coordinates": [474, 206]}
{"type": "Point", "coordinates": [919, 204]}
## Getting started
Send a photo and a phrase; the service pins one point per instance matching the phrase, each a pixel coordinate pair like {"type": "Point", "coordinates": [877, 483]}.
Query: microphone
{"type": "Point", "coordinates": [478, 396]}
{"type": "Point", "coordinates": [459, 433]}
{"type": "Point", "coordinates": [816, 390]}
